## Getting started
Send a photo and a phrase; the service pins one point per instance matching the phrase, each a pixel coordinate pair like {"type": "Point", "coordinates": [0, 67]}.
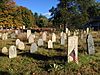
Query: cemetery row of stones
{"type": "Point", "coordinates": [65, 39]}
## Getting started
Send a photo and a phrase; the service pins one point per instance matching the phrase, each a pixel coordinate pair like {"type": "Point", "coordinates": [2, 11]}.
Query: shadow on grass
{"type": "Point", "coordinates": [1, 54]}
{"type": "Point", "coordinates": [4, 73]}
{"type": "Point", "coordinates": [58, 49]}
{"type": "Point", "coordinates": [44, 57]}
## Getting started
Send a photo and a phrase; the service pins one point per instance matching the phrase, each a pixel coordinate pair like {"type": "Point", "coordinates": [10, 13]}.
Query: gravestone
{"type": "Point", "coordinates": [53, 37]}
{"type": "Point", "coordinates": [28, 33]}
{"type": "Point", "coordinates": [13, 35]}
{"type": "Point", "coordinates": [23, 27]}
{"type": "Point", "coordinates": [65, 37]}
{"type": "Point", "coordinates": [62, 40]}
{"type": "Point", "coordinates": [33, 48]}
{"type": "Point", "coordinates": [40, 42]}
{"type": "Point", "coordinates": [68, 33]}
{"type": "Point", "coordinates": [16, 32]}
{"type": "Point", "coordinates": [74, 33]}
{"type": "Point", "coordinates": [73, 49]}
{"type": "Point", "coordinates": [50, 44]}
{"type": "Point", "coordinates": [90, 44]}
{"type": "Point", "coordinates": [4, 50]}
{"type": "Point", "coordinates": [44, 36]}
{"type": "Point", "coordinates": [87, 30]}
{"type": "Point", "coordinates": [4, 36]}
{"type": "Point", "coordinates": [0, 35]}
{"type": "Point", "coordinates": [31, 38]}
{"type": "Point", "coordinates": [12, 52]}
{"type": "Point", "coordinates": [21, 46]}
{"type": "Point", "coordinates": [17, 41]}
{"type": "Point", "coordinates": [61, 34]}
{"type": "Point", "coordinates": [66, 30]}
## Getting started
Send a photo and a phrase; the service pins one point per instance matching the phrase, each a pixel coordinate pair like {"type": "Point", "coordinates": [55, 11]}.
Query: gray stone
{"type": "Point", "coordinates": [90, 44]}
{"type": "Point", "coordinates": [33, 48]}
{"type": "Point", "coordinates": [63, 40]}
{"type": "Point", "coordinates": [13, 35]}
{"type": "Point", "coordinates": [40, 42]}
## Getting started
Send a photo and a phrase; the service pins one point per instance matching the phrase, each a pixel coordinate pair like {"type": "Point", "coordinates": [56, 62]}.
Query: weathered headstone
{"type": "Point", "coordinates": [17, 32]}
{"type": "Point", "coordinates": [61, 34]}
{"type": "Point", "coordinates": [31, 38]}
{"type": "Point", "coordinates": [87, 30]}
{"type": "Point", "coordinates": [62, 40]}
{"type": "Point", "coordinates": [28, 33]}
{"type": "Point", "coordinates": [50, 44]}
{"type": "Point", "coordinates": [90, 44]}
{"type": "Point", "coordinates": [44, 36]}
{"type": "Point", "coordinates": [53, 37]}
{"type": "Point", "coordinates": [17, 41]}
{"type": "Point", "coordinates": [4, 50]}
{"type": "Point", "coordinates": [0, 35]}
{"type": "Point", "coordinates": [33, 48]}
{"type": "Point", "coordinates": [4, 36]}
{"type": "Point", "coordinates": [74, 33]}
{"type": "Point", "coordinates": [66, 30]}
{"type": "Point", "coordinates": [40, 42]}
{"type": "Point", "coordinates": [21, 46]}
{"type": "Point", "coordinates": [73, 49]}
{"type": "Point", "coordinates": [13, 35]}
{"type": "Point", "coordinates": [23, 27]}
{"type": "Point", "coordinates": [12, 52]}
{"type": "Point", "coordinates": [68, 33]}
{"type": "Point", "coordinates": [65, 37]}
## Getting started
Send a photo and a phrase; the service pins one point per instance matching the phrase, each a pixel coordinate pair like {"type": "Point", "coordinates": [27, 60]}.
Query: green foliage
{"type": "Point", "coordinates": [62, 15]}
{"type": "Point", "coordinates": [40, 20]}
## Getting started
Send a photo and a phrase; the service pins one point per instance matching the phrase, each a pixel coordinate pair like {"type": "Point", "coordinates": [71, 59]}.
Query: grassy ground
{"type": "Point", "coordinates": [50, 61]}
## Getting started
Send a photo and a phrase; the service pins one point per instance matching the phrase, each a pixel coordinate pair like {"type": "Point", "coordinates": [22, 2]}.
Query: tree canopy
{"type": "Point", "coordinates": [73, 13]}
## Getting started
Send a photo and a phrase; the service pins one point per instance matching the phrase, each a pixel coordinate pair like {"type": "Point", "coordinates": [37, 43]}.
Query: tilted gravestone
{"type": "Point", "coordinates": [12, 52]}
{"type": "Point", "coordinates": [33, 48]}
{"type": "Point", "coordinates": [17, 41]}
{"type": "Point", "coordinates": [40, 42]}
{"type": "Point", "coordinates": [90, 44]}
{"type": "Point", "coordinates": [73, 49]}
